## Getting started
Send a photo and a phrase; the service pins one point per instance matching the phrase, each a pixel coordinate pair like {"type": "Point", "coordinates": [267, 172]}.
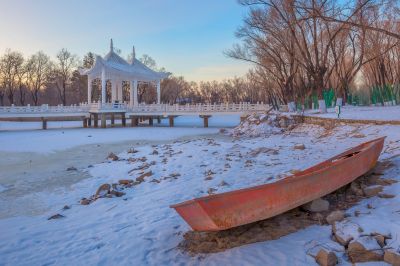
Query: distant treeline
{"type": "Point", "coordinates": [40, 80]}
{"type": "Point", "coordinates": [303, 48]}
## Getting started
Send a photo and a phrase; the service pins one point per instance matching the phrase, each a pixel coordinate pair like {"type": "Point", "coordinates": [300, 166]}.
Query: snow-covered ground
{"type": "Point", "coordinates": [140, 228]}
{"type": "Point", "coordinates": [361, 113]}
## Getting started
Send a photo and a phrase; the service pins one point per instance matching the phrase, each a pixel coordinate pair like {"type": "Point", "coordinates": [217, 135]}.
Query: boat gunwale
{"type": "Point", "coordinates": [303, 173]}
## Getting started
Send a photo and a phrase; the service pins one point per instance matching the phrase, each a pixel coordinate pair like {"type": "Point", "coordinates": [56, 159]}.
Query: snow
{"type": "Point", "coordinates": [2, 188]}
{"type": "Point", "coordinates": [362, 112]}
{"type": "Point", "coordinates": [141, 229]}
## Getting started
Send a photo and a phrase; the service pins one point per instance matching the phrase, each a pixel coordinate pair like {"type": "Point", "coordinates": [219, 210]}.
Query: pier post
{"type": "Point", "coordinates": [85, 122]}
{"type": "Point", "coordinates": [90, 120]}
{"type": "Point", "coordinates": [134, 121]}
{"type": "Point", "coordinates": [205, 119]}
{"type": "Point", "coordinates": [171, 121]}
{"type": "Point", "coordinates": [96, 120]}
{"type": "Point", "coordinates": [44, 123]}
{"type": "Point", "coordinates": [123, 118]}
{"type": "Point", "coordinates": [103, 120]}
{"type": "Point", "coordinates": [150, 121]}
{"type": "Point", "coordinates": [158, 119]}
{"type": "Point", "coordinates": [112, 120]}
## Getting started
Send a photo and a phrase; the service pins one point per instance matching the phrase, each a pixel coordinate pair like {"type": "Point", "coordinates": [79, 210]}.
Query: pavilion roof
{"type": "Point", "coordinates": [117, 67]}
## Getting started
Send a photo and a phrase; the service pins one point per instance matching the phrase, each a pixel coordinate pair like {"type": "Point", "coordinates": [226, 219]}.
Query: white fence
{"type": "Point", "coordinates": [140, 109]}
{"type": "Point", "coordinates": [198, 108]}
{"type": "Point", "coordinates": [44, 109]}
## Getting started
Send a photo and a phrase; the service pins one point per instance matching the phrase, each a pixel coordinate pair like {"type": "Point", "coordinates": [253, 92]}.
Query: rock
{"type": "Point", "coordinates": [155, 152]}
{"type": "Point", "coordinates": [209, 172]}
{"type": "Point", "coordinates": [72, 169]}
{"type": "Point", "coordinates": [117, 193]}
{"type": "Point", "coordinates": [344, 232]}
{"type": "Point", "coordinates": [318, 217]}
{"type": "Point", "coordinates": [175, 175]}
{"type": "Point", "coordinates": [335, 216]}
{"type": "Point", "coordinates": [386, 196]}
{"type": "Point", "coordinates": [364, 249]}
{"type": "Point", "coordinates": [356, 189]}
{"type": "Point", "coordinates": [125, 181]}
{"type": "Point", "coordinates": [380, 239]}
{"type": "Point", "coordinates": [386, 181]}
{"type": "Point", "coordinates": [211, 190]}
{"type": "Point", "coordinates": [359, 135]}
{"type": "Point", "coordinates": [299, 147]}
{"type": "Point", "coordinates": [132, 150]}
{"type": "Point", "coordinates": [85, 201]}
{"type": "Point", "coordinates": [392, 257]}
{"type": "Point", "coordinates": [112, 157]}
{"type": "Point", "coordinates": [56, 216]}
{"type": "Point", "coordinates": [372, 191]}
{"type": "Point", "coordinates": [103, 190]}
{"type": "Point", "coordinates": [66, 207]}
{"type": "Point", "coordinates": [326, 258]}
{"type": "Point", "coordinates": [318, 205]}
{"type": "Point", "coordinates": [208, 177]}
{"type": "Point", "coordinates": [142, 176]}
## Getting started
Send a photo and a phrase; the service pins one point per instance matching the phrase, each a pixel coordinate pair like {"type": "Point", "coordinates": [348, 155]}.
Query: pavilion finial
{"type": "Point", "coordinates": [133, 54]}
{"type": "Point", "coordinates": [111, 46]}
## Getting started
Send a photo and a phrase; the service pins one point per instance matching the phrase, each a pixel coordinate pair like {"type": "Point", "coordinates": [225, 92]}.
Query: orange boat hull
{"type": "Point", "coordinates": [226, 210]}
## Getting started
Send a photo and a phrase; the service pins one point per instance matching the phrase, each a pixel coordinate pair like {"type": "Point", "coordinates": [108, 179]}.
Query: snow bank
{"type": "Point", "coordinates": [262, 124]}
{"type": "Point", "coordinates": [362, 113]}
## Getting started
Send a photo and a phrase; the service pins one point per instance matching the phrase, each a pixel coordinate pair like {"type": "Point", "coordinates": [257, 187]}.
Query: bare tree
{"type": "Point", "coordinates": [11, 64]}
{"type": "Point", "coordinates": [38, 73]}
{"type": "Point", "coordinates": [65, 65]}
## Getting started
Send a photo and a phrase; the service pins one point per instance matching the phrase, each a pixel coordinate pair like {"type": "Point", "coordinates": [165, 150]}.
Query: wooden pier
{"type": "Point", "coordinates": [91, 114]}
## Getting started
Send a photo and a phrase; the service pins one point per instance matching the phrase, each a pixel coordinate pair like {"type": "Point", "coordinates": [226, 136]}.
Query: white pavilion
{"type": "Point", "coordinates": [116, 70]}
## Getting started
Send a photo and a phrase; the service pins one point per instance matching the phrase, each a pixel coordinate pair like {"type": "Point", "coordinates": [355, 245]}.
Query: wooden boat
{"type": "Point", "coordinates": [243, 206]}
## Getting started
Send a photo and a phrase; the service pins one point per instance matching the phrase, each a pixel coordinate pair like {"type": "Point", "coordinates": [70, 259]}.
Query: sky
{"type": "Point", "coordinates": [186, 37]}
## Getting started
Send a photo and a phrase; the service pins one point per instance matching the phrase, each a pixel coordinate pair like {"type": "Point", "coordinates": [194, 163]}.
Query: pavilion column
{"type": "Point", "coordinates": [119, 91]}
{"type": "Point", "coordinates": [133, 93]}
{"type": "Point", "coordinates": [113, 90]}
{"type": "Point", "coordinates": [158, 92]}
{"type": "Point", "coordinates": [103, 85]}
{"type": "Point", "coordinates": [89, 89]}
